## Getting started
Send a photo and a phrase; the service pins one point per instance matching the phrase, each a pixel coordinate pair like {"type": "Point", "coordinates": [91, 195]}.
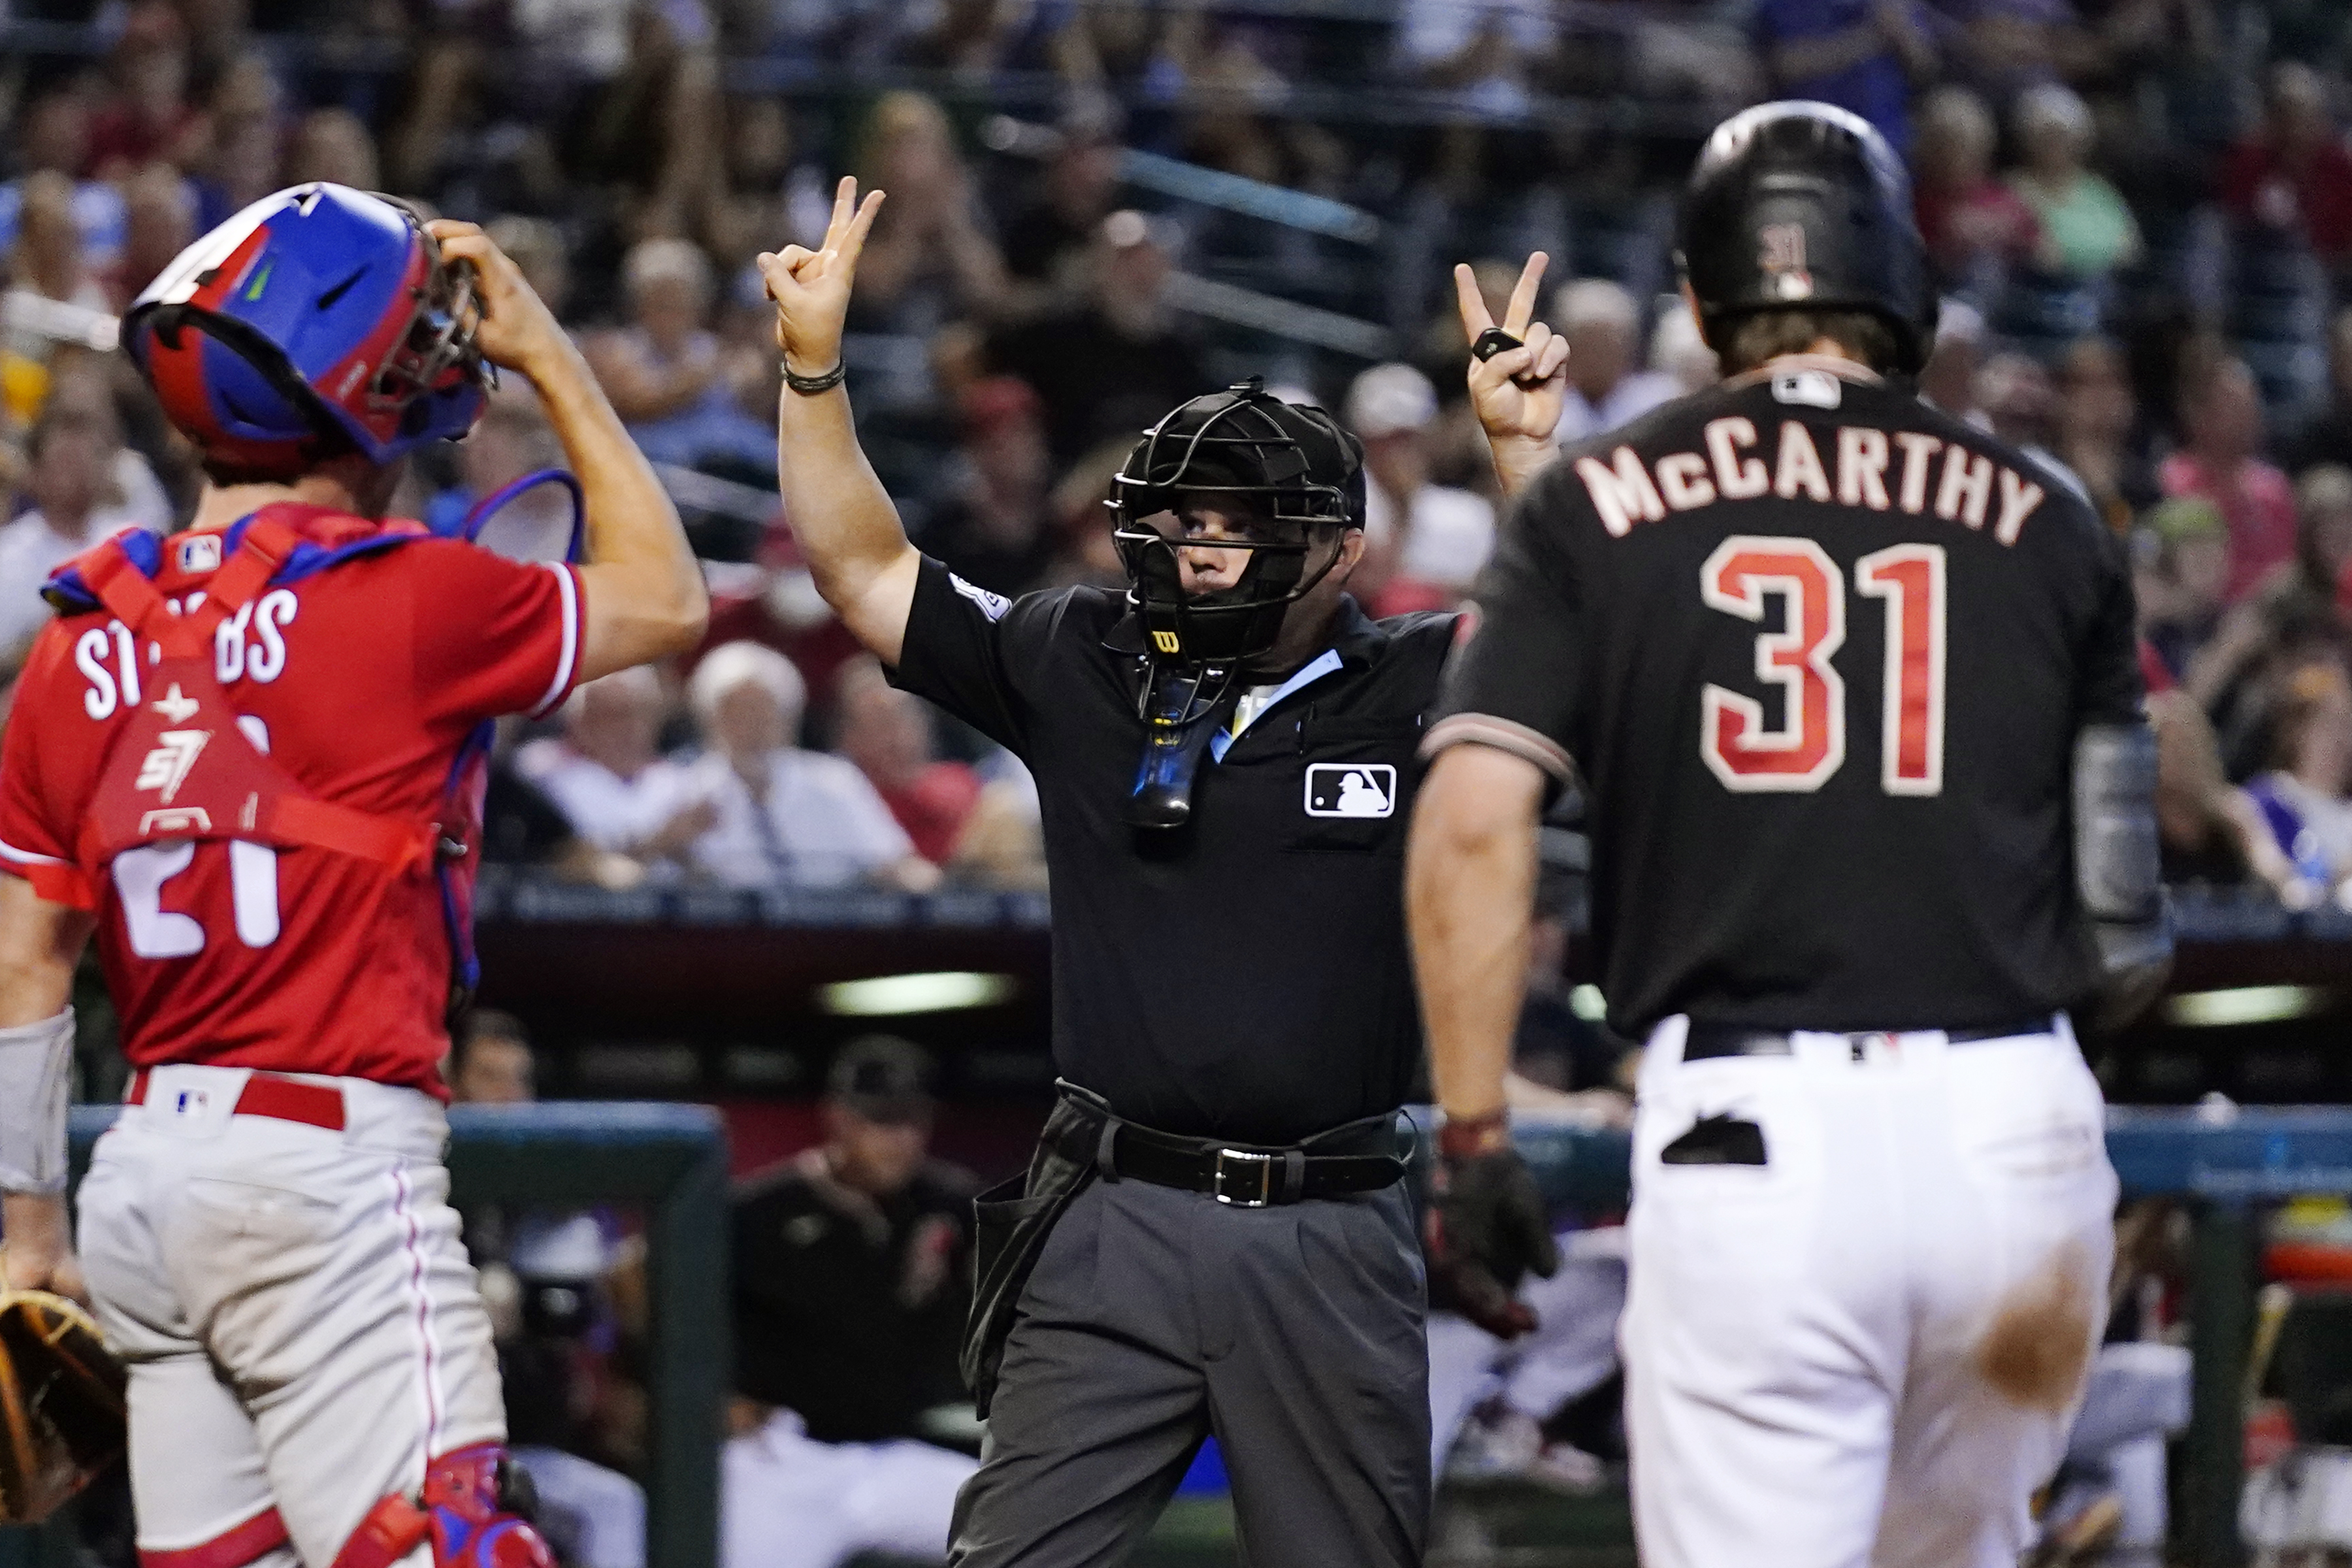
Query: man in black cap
{"type": "Point", "coordinates": [1213, 1235]}
{"type": "Point", "coordinates": [852, 1263]}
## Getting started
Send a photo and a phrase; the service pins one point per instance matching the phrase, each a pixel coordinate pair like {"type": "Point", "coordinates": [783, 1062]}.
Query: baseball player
{"type": "Point", "coordinates": [239, 756]}
{"type": "Point", "coordinates": [1850, 687]}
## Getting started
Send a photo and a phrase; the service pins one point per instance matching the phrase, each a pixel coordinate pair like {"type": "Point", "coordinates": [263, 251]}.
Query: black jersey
{"type": "Point", "coordinates": [1820, 653]}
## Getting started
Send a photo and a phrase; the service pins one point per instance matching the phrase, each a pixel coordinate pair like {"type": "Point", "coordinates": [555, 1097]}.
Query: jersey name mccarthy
{"type": "Point", "coordinates": [1818, 654]}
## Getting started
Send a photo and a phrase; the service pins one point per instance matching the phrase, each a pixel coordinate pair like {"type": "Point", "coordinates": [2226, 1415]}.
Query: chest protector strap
{"type": "Point", "coordinates": [184, 767]}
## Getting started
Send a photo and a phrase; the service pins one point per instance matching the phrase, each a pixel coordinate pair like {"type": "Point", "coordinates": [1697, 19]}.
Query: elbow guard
{"type": "Point", "coordinates": [2118, 862]}
{"type": "Point", "coordinates": [35, 1080]}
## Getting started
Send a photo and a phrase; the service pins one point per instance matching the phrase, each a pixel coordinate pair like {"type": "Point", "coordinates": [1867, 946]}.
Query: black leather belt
{"type": "Point", "coordinates": [1358, 1157]}
{"type": "Point", "coordinates": [1708, 1041]}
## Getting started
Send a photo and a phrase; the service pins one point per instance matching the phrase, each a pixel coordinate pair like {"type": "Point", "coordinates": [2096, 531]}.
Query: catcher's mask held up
{"type": "Point", "coordinates": [61, 1404]}
{"type": "Point", "coordinates": [1227, 514]}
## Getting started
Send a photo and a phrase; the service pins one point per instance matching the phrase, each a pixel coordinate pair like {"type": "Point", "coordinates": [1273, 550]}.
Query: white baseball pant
{"type": "Point", "coordinates": [299, 1316]}
{"type": "Point", "coordinates": [787, 1501]}
{"type": "Point", "coordinates": [1868, 1350]}
{"type": "Point", "coordinates": [1570, 1352]}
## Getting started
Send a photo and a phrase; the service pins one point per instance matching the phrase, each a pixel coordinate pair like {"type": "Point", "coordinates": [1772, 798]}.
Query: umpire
{"type": "Point", "coordinates": [1213, 1235]}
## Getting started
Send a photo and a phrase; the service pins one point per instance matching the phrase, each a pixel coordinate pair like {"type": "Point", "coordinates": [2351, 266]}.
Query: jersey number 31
{"type": "Point", "coordinates": [1809, 744]}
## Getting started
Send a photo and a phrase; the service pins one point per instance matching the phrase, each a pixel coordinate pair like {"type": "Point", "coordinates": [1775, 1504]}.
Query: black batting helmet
{"type": "Point", "coordinates": [1290, 465]}
{"type": "Point", "coordinates": [1803, 206]}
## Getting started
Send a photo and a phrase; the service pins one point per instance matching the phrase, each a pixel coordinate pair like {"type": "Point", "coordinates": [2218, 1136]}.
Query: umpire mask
{"type": "Point", "coordinates": [1281, 478]}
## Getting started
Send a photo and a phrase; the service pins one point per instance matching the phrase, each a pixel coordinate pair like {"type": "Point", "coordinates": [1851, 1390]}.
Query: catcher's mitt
{"type": "Point", "coordinates": [61, 1410]}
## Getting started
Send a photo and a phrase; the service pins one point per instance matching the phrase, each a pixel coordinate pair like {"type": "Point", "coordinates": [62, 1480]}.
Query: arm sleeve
{"type": "Point", "coordinates": [492, 636]}
{"type": "Point", "coordinates": [1516, 680]}
{"type": "Point", "coordinates": [962, 648]}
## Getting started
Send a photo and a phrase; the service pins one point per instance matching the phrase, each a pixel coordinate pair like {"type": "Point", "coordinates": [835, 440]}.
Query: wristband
{"type": "Point", "coordinates": [811, 385]}
{"type": "Point", "coordinates": [1468, 1137]}
{"type": "Point", "coordinates": [36, 1074]}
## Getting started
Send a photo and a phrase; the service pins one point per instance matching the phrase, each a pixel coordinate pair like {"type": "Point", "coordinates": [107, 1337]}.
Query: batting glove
{"type": "Point", "coordinates": [1485, 1227]}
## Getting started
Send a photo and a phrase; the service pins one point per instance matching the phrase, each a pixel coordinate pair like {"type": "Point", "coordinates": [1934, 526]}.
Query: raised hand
{"type": "Point", "coordinates": [811, 287]}
{"type": "Point", "coordinates": [1520, 392]}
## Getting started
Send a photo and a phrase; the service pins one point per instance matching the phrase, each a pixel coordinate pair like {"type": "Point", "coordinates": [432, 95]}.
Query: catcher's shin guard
{"type": "Point", "coordinates": [475, 1509]}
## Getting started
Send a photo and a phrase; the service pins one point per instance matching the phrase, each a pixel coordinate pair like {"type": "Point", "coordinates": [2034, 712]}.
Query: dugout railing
{"type": "Point", "coordinates": [668, 1160]}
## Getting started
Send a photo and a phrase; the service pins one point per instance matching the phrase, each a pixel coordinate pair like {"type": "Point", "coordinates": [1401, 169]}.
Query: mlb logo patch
{"type": "Point", "coordinates": [191, 1102]}
{"type": "Point", "coordinates": [1351, 789]}
{"type": "Point", "coordinates": [199, 552]}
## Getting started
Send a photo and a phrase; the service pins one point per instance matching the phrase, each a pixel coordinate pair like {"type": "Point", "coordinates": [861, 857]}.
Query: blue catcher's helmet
{"type": "Point", "coordinates": [318, 312]}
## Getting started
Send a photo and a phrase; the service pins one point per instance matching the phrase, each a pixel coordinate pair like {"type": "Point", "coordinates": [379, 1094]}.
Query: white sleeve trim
{"type": "Point", "coordinates": [567, 659]}
{"type": "Point", "coordinates": [25, 857]}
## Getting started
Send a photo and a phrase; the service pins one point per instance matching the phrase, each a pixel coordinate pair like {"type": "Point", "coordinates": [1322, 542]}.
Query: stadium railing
{"type": "Point", "coordinates": [672, 1160]}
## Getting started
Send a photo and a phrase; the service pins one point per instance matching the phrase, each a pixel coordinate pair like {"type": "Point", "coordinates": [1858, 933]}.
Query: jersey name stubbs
{"type": "Point", "coordinates": [1903, 470]}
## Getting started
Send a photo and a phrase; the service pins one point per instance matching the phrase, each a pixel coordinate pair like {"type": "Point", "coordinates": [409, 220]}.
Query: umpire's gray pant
{"type": "Point", "coordinates": [1156, 1317]}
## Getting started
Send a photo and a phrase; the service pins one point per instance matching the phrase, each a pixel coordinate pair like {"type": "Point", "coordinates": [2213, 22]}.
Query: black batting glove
{"type": "Point", "coordinates": [1485, 1227]}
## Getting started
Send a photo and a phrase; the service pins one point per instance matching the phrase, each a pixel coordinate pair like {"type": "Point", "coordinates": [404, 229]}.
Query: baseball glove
{"type": "Point", "coordinates": [61, 1404]}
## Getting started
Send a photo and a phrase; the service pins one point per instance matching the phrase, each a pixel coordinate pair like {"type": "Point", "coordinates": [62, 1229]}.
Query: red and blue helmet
{"type": "Point", "coordinates": [318, 312]}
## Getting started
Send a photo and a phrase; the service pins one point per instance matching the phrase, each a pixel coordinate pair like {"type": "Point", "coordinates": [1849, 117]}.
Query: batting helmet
{"type": "Point", "coordinates": [1293, 468]}
{"type": "Point", "coordinates": [318, 312]}
{"type": "Point", "coordinates": [1803, 206]}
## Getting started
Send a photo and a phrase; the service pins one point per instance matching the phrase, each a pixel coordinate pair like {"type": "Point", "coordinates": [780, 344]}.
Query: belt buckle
{"type": "Point", "coordinates": [1263, 1165]}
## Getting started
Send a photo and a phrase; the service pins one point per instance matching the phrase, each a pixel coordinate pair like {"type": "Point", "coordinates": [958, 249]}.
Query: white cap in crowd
{"type": "Point", "coordinates": [1387, 398]}
{"type": "Point", "coordinates": [743, 663]}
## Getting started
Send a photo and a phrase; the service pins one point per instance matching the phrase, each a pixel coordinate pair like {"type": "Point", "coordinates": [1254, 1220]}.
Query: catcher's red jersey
{"type": "Point", "coordinates": [362, 680]}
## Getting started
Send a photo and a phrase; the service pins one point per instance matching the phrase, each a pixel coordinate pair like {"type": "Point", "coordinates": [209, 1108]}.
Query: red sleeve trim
{"type": "Point", "coordinates": [567, 659]}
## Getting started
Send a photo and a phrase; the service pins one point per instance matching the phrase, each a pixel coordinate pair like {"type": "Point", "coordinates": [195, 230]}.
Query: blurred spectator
{"type": "Point", "coordinates": [52, 137]}
{"type": "Point", "coordinates": [784, 814]}
{"type": "Point", "coordinates": [47, 259]}
{"type": "Point", "coordinates": [1973, 224]}
{"type": "Point", "coordinates": [608, 777]}
{"type": "Point", "coordinates": [147, 116]}
{"type": "Point", "coordinates": [332, 144]}
{"type": "Point", "coordinates": [849, 1268]}
{"type": "Point", "coordinates": [490, 1060]}
{"type": "Point", "coordinates": [664, 372]}
{"type": "Point", "coordinates": [887, 733]}
{"type": "Point", "coordinates": [1486, 50]}
{"type": "Point", "coordinates": [1045, 245]}
{"type": "Point", "coordinates": [2221, 417]}
{"type": "Point", "coordinates": [2293, 177]}
{"type": "Point", "coordinates": [927, 258]}
{"type": "Point", "coordinates": [1679, 352]}
{"type": "Point", "coordinates": [536, 245]}
{"type": "Point", "coordinates": [1859, 55]}
{"type": "Point", "coordinates": [1949, 379]}
{"type": "Point", "coordinates": [2326, 437]}
{"type": "Point", "coordinates": [1426, 541]}
{"type": "Point", "coordinates": [2302, 592]}
{"type": "Point", "coordinates": [72, 453]}
{"type": "Point", "coordinates": [1605, 388]}
{"type": "Point", "coordinates": [2207, 830]}
{"type": "Point", "coordinates": [2306, 798]}
{"type": "Point", "coordinates": [2095, 416]}
{"type": "Point", "coordinates": [2018, 399]}
{"type": "Point", "coordinates": [991, 521]}
{"type": "Point", "coordinates": [2086, 230]}
{"type": "Point", "coordinates": [2182, 591]}
{"type": "Point", "coordinates": [1116, 362]}
{"type": "Point", "coordinates": [158, 222]}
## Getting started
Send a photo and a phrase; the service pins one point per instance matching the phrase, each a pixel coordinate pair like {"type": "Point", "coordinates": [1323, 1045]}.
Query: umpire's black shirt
{"type": "Point", "coordinates": [1245, 976]}
{"type": "Point", "coordinates": [1820, 653]}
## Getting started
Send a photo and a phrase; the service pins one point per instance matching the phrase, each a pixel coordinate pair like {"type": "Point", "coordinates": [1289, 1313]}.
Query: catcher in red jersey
{"type": "Point", "coordinates": [247, 758]}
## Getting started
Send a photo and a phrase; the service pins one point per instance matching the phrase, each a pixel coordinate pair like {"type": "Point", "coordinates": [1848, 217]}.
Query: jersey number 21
{"type": "Point", "coordinates": [1809, 744]}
